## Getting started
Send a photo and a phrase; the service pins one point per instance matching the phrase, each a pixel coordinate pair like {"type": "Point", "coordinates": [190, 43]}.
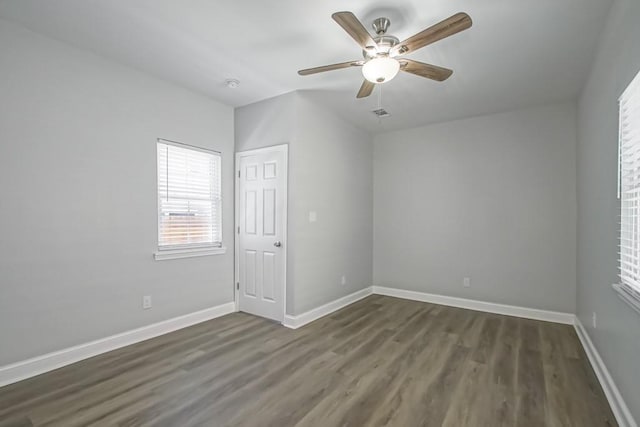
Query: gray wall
{"type": "Point", "coordinates": [617, 336]}
{"type": "Point", "coordinates": [491, 198]}
{"type": "Point", "coordinates": [78, 222]}
{"type": "Point", "coordinates": [330, 172]}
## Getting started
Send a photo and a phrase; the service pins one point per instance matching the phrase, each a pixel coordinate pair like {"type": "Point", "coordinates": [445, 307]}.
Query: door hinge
{"type": "Point", "coordinates": [238, 285]}
{"type": "Point", "coordinates": [238, 174]}
{"type": "Point", "coordinates": [238, 229]}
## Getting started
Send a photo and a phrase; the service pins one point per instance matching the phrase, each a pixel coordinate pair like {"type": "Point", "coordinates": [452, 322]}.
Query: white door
{"type": "Point", "coordinates": [261, 229]}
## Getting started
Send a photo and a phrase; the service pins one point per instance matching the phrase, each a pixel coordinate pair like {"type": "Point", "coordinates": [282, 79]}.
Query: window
{"type": "Point", "coordinates": [189, 199]}
{"type": "Point", "coordinates": [629, 194]}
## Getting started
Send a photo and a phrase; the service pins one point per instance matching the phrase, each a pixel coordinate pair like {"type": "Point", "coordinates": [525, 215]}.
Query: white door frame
{"type": "Point", "coordinates": [284, 148]}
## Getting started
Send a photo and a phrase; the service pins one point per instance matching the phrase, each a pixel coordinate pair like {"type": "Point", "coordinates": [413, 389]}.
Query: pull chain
{"type": "Point", "coordinates": [379, 102]}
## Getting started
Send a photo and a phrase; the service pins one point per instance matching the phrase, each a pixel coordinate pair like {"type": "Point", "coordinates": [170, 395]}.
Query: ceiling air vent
{"type": "Point", "coordinates": [381, 112]}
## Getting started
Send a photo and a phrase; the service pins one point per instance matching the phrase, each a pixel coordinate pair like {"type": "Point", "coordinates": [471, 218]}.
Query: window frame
{"type": "Point", "coordinates": [193, 249]}
{"type": "Point", "coordinates": [628, 291]}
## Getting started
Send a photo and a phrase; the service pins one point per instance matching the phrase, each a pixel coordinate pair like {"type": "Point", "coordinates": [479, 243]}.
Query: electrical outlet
{"type": "Point", "coordinates": [595, 320]}
{"type": "Point", "coordinates": [343, 281]}
{"type": "Point", "coordinates": [466, 282]}
{"type": "Point", "coordinates": [146, 302]}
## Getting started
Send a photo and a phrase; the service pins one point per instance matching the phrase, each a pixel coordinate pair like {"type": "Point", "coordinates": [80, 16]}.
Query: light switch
{"type": "Point", "coordinates": [313, 216]}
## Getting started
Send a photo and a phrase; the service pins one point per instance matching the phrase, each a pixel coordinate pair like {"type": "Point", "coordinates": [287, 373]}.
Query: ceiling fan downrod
{"type": "Point", "coordinates": [381, 25]}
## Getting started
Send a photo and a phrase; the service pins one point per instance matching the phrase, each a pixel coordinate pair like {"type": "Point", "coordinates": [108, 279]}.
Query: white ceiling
{"type": "Point", "coordinates": [518, 52]}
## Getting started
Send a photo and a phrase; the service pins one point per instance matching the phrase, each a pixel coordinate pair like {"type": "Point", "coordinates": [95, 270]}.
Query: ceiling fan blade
{"type": "Point", "coordinates": [365, 89]}
{"type": "Point", "coordinates": [331, 67]}
{"type": "Point", "coordinates": [355, 29]}
{"type": "Point", "coordinates": [428, 71]}
{"type": "Point", "coordinates": [450, 26]}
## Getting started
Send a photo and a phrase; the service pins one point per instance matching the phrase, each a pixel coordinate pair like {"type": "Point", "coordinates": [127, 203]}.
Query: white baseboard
{"type": "Point", "coordinates": [294, 322]}
{"type": "Point", "coordinates": [618, 406]}
{"type": "Point", "coordinates": [490, 307]}
{"type": "Point", "coordinates": [38, 365]}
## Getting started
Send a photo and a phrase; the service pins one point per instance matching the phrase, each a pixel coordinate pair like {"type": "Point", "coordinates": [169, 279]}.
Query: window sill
{"type": "Point", "coordinates": [628, 296]}
{"type": "Point", "coordinates": [188, 253]}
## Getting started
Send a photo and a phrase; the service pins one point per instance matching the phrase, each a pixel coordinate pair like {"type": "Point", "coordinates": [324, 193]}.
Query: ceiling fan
{"type": "Point", "coordinates": [383, 54]}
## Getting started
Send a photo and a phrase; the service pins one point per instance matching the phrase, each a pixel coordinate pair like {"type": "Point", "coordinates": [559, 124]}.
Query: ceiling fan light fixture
{"type": "Point", "coordinates": [380, 69]}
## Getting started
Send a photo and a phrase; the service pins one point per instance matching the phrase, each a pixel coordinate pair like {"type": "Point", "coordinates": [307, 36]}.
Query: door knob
{"type": "Point", "coordinates": [277, 244]}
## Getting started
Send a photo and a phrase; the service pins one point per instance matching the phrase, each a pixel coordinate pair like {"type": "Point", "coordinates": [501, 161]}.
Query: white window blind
{"type": "Point", "coordinates": [189, 197]}
{"type": "Point", "coordinates": [629, 191]}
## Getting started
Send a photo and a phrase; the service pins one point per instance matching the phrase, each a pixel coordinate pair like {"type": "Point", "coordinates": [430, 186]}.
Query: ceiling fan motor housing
{"type": "Point", "coordinates": [384, 41]}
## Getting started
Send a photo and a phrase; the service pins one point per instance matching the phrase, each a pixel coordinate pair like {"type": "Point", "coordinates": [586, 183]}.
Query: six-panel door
{"type": "Point", "coordinates": [261, 254]}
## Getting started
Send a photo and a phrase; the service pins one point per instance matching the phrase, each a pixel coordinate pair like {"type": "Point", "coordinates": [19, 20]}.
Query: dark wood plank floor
{"type": "Point", "coordinates": [381, 361]}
